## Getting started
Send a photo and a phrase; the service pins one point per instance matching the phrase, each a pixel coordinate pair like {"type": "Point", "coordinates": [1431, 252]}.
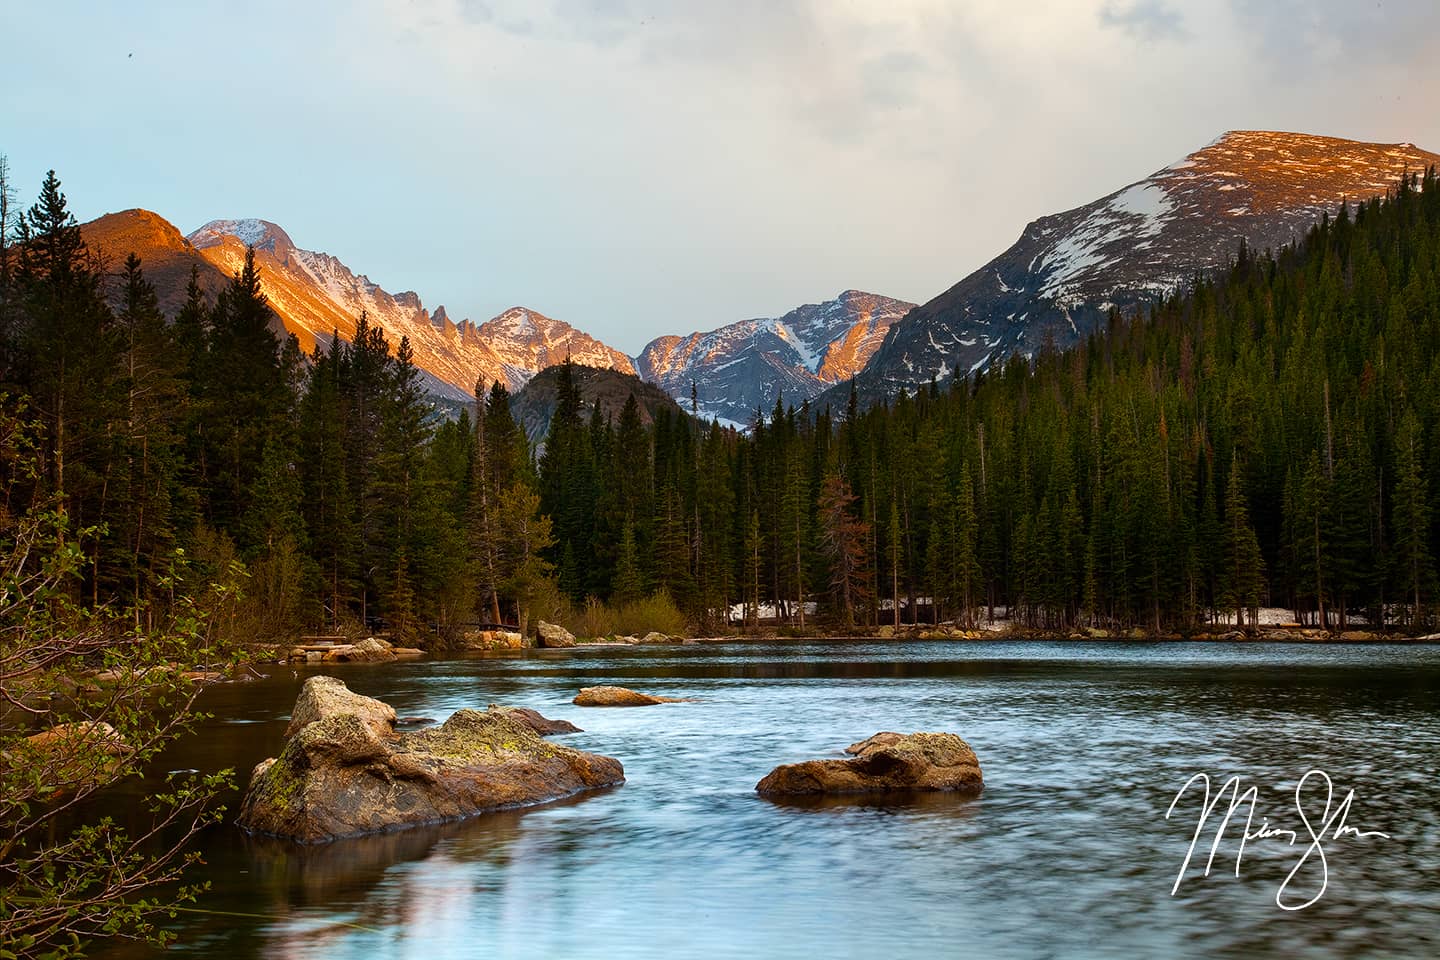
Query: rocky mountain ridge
{"type": "Point", "coordinates": [1068, 270]}
{"type": "Point", "coordinates": [316, 294]}
{"type": "Point", "coordinates": [744, 366]}
{"type": "Point", "coordinates": [1061, 278]}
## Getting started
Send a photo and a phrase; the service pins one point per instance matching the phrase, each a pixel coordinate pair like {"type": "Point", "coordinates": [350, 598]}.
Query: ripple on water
{"type": "Point", "coordinates": [1067, 853]}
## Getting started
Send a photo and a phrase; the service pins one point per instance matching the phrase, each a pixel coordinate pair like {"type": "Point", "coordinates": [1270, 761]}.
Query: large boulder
{"type": "Point", "coordinates": [532, 719]}
{"type": "Point", "coordinates": [553, 635]}
{"type": "Point", "coordinates": [324, 697]}
{"type": "Point", "coordinates": [369, 650]}
{"type": "Point", "coordinates": [373, 649]}
{"type": "Point", "coordinates": [491, 640]}
{"type": "Point", "coordinates": [884, 763]}
{"type": "Point", "coordinates": [618, 697]}
{"type": "Point", "coordinates": [338, 776]}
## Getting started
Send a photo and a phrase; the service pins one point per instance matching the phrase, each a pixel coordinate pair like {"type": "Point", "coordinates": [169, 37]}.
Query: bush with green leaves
{"type": "Point", "coordinates": [89, 696]}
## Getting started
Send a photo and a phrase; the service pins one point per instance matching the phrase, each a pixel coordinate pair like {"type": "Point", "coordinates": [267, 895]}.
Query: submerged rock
{"type": "Point", "coordinates": [884, 763]}
{"type": "Point", "coordinates": [619, 697]}
{"type": "Point", "coordinates": [553, 635]}
{"type": "Point", "coordinates": [345, 771]}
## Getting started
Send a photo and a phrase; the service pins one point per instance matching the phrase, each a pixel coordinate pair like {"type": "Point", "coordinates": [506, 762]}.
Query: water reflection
{"type": "Point", "coordinates": [1067, 852]}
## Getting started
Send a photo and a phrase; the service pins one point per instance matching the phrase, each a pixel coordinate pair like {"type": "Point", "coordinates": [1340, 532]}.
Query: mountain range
{"type": "Point", "coordinates": [743, 367]}
{"type": "Point", "coordinates": [1068, 270]}
{"type": "Point", "coordinates": [1064, 274]}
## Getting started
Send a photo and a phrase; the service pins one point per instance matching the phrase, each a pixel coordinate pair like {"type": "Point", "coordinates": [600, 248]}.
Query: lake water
{"type": "Point", "coordinates": [1067, 854]}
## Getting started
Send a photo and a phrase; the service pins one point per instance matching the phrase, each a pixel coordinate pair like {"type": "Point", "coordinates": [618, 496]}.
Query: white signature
{"type": "Point", "coordinates": [1331, 826]}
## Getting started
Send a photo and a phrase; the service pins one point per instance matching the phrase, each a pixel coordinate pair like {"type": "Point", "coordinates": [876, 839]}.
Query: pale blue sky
{"type": "Point", "coordinates": [647, 168]}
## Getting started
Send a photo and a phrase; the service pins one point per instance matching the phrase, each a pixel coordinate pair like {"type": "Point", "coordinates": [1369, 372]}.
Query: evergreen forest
{"type": "Point", "coordinates": [1266, 438]}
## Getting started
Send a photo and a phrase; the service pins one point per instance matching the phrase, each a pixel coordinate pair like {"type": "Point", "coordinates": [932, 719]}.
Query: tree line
{"type": "Point", "coordinates": [1263, 438]}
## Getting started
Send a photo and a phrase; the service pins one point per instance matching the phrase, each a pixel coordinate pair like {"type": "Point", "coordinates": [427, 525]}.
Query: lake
{"type": "Point", "coordinates": [1068, 853]}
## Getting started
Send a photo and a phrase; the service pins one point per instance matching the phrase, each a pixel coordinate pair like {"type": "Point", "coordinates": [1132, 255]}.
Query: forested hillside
{"type": "Point", "coordinates": [1267, 439]}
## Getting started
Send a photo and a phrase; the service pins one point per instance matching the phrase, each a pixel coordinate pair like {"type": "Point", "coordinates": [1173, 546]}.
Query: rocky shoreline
{"type": "Point", "coordinates": [553, 637]}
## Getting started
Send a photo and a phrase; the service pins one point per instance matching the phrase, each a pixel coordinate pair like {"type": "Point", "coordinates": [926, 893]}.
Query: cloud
{"type": "Point", "coordinates": [1149, 20]}
{"type": "Point", "coordinates": [1305, 32]}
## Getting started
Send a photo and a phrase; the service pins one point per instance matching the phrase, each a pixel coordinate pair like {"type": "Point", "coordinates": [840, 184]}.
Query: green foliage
{"type": "Point", "coordinates": [525, 535]}
{"type": "Point", "coordinates": [92, 695]}
{"type": "Point", "coordinates": [631, 618]}
{"type": "Point", "coordinates": [1265, 438]}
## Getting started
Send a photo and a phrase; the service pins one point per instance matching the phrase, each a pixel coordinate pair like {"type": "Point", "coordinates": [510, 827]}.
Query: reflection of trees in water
{"type": "Point", "coordinates": [309, 890]}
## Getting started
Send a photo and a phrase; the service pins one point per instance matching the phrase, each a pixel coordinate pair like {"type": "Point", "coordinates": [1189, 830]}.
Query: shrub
{"type": "Point", "coordinates": [656, 612]}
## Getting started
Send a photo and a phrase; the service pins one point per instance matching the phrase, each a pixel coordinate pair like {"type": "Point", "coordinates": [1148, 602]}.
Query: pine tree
{"type": "Point", "coordinates": [328, 506]}
{"type": "Point", "coordinates": [527, 535]}
{"type": "Point", "coordinates": [281, 580]}
{"type": "Point", "coordinates": [142, 532]}
{"type": "Point", "coordinates": [1410, 517]}
{"type": "Point", "coordinates": [629, 586]}
{"type": "Point", "coordinates": [754, 543]}
{"type": "Point", "coordinates": [1244, 567]}
{"type": "Point", "coordinates": [400, 602]}
{"type": "Point", "coordinates": [968, 576]}
{"type": "Point", "coordinates": [65, 353]}
{"type": "Point", "coordinates": [247, 393]}
{"type": "Point", "coordinates": [843, 539]}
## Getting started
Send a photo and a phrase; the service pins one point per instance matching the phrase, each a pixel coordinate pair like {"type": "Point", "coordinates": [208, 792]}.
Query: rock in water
{"type": "Point", "coordinates": [553, 635]}
{"type": "Point", "coordinates": [541, 725]}
{"type": "Point", "coordinates": [342, 774]}
{"type": "Point", "coordinates": [324, 697]}
{"type": "Point", "coordinates": [885, 739]}
{"type": "Point", "coordinates": [618, 697]}
{"type": "Point", "coordinates": [885, 763]}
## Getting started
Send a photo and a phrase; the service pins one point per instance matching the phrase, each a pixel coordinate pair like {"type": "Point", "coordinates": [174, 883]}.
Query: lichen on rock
{"type": "Point", "coordinates": [344, 771]}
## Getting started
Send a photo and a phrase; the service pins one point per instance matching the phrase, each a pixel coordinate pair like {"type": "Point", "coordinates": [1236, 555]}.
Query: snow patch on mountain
{"type": "Point", "coordinates": [745, 366]}
{"type": "Point", "coordinates": [1068, 270]}
{"type": "Point", "coordinates": [315, 293]}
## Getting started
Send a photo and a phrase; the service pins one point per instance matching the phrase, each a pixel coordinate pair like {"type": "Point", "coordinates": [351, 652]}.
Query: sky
{"type": "Point", "coordinates": [640, 168]}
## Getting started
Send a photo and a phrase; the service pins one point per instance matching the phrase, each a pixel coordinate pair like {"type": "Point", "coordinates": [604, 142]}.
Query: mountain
{"type": "Point", "coordinates": [745, 365]}
{"type": "Point", "coordinates": [1067, 270]}
{"type": "Point", "coordinates": [534, 405]}
{"type": "Point", "coordinates": [315, 294]}
{"type": "Point", "coordinates": [165, 255]}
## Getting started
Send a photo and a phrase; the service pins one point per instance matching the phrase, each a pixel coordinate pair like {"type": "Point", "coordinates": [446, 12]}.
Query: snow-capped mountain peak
{"type": "Point", "coordinates": [1069, 269]}
{"type": "Point", "coordinates": [260, 234]}
{"type": "Point", "coordinates": [315, 294]}
{"type": "Point", "coordinates": [747, 364]}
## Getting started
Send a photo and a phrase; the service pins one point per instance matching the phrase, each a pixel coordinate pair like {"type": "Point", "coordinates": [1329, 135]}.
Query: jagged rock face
{"type": "Point", "coordinates": [315, 294]}
{"type": "Point", "coordinates": [746, 365]}
{"type": "Point", "coordinates": [1067, 270]}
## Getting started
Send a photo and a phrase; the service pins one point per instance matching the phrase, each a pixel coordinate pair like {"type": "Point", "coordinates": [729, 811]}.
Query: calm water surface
{"type": "Point", "coordinates": [1067, 853]}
